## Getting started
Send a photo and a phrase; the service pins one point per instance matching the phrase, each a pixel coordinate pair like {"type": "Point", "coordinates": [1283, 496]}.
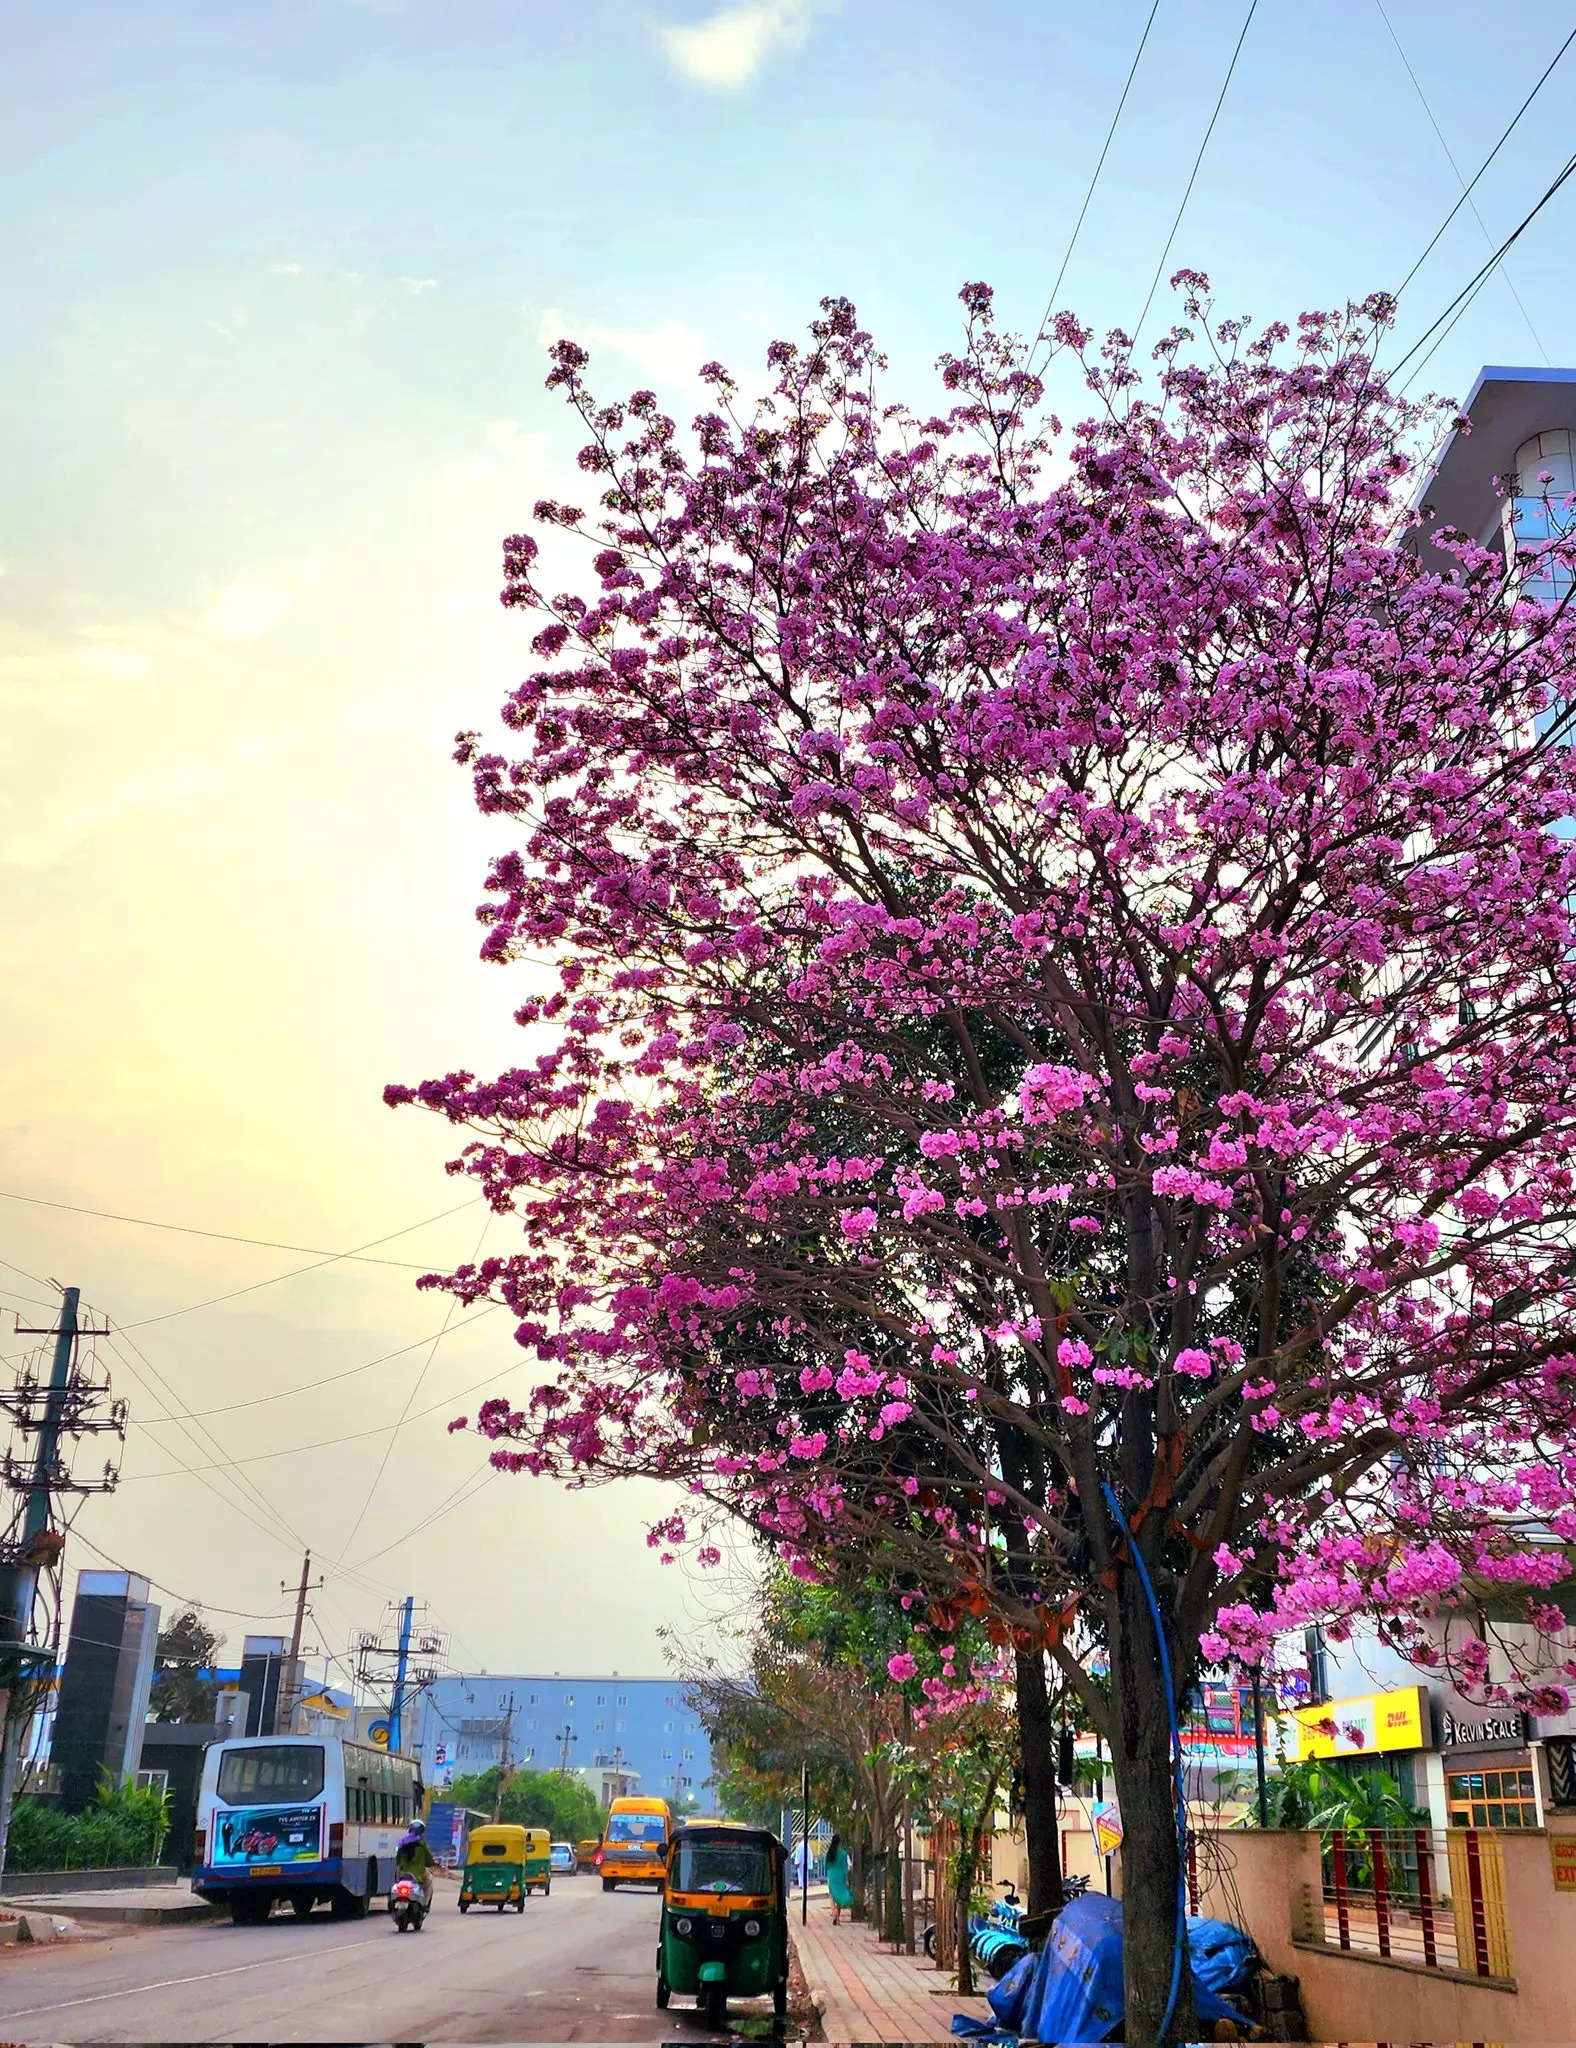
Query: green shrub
{"type": "Point", "coordinates": [123, 1829]}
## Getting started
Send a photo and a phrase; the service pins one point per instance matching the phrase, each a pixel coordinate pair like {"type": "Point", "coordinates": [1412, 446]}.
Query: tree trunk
{"type": "Point", "coordinates": [893, 1930]}
{"type": "Point", "coordinates": [1037, 1747]}
{"type": "Point", "coordinates": [962, 1897]}
{"type": "Point", "coordinates": [1151, 1853]}
{"type": "Point", "coordinates": [858, 1877]}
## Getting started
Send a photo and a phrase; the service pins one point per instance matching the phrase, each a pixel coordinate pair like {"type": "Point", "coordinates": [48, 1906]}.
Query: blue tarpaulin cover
{"type": "Point", "coordinates": [1072, 1990]}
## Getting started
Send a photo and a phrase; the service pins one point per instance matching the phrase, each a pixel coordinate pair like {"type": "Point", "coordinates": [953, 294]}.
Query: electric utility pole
{"type": "Point", "coordinates": [401, 1666]}
{"type": "Point", "coordinates": [290, 1689]}
{"type": "Point", "coordinates": [505, 1760]}
{"type": "Point", "coordinates": [72, 1404]}
{"type": "Point", "coordinates": [409, 1681]}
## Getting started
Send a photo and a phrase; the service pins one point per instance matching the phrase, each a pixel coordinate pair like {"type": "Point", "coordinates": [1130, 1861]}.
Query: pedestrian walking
{"type": "Point", "coordinates": [837, 1878]}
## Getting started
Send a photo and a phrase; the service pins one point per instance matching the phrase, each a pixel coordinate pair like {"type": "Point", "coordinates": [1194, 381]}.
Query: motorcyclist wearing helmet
{"type": "Point", "coordinates": [413, 1858]}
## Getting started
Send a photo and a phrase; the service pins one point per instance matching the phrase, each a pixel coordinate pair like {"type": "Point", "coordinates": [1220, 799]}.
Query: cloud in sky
{"type": "Point", "coordinates": [728, 48]}
{"type": "Point", "coordinates": [252, 603]}
{"type": "Point", "coordinates": [669, 353]}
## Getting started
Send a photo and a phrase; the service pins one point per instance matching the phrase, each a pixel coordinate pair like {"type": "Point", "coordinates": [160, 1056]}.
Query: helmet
{"type": "Point", "coordinates": [417, 1827]}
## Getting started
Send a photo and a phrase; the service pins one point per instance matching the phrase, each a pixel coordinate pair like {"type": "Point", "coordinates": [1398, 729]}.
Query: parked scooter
{"type": "Point", "coordinates": [1009, 1912]}
{"type": "Point", "coordinates": [407, 1905]}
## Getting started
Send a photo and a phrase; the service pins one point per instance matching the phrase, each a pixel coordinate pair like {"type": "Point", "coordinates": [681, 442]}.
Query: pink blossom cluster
{"type": "Point", "coordinates": [1057, 975]}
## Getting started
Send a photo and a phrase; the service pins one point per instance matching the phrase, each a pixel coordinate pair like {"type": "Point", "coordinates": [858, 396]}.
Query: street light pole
{"type": "Point", "coordinates": [1258, 1749]}
{"type": "Point", "coordinates": [804, 1844]}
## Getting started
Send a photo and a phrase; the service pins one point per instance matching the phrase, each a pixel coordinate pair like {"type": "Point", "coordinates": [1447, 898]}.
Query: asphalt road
{"type": "Point", "coordinates": [577, 1966]}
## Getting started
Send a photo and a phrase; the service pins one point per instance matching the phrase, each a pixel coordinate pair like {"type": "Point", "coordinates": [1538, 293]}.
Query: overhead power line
{"type": "Point", "coordinates": [459, 1498]}
{"type": "Point", "coordinates": [388, 1448]}
{"type": "Point", "coordinates": [1110, 133]}
{"type": "Point", "coordinates": [272, 1244]}
{"type": "Point", "coordinates": [186, 1599]}
{"type": "Point", "coordinates": [204, 1442]}
{"type": "Point", "coordinates": [1154, 286]}
{"type": "Point", "coordinates": [1469, 291]}
{"type": "Point", "coordinates": [332, 1379]}
{"type": "Point", "coordinates": [329, 1442]}
{"type": "Point", "coordinates": [1482, 167]}
{"type": "Point", "coordinates": [317, 1265]}
{"type": "Point", "coordinates": [1466, 190]}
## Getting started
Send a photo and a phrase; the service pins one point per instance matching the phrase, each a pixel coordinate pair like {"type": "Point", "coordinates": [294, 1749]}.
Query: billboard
{"type": "Point", "coordinates": [1373, 1722]}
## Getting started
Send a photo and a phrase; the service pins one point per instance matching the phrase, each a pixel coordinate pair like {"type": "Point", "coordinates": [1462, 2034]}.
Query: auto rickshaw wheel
{"type": "Point", "coordinates": [663, 1992]}
{"type": "Point", "coordinates": [547, 1889]}
{"type": "Point", "coordinates": [609, 1883]}
{"type": "Point", "coordinates": [716, 2004]}
{"type": "Point", "coordinates": [780, 1999]}
{"type": "Point", "coordinates": [465, 1905]}
{"type": "Point", "coordinates": [520, 1903]}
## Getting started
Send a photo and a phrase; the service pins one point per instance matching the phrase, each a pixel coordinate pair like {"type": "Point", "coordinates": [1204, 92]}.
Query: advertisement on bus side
{"type": "Point", "coordinates": [272, 1834]}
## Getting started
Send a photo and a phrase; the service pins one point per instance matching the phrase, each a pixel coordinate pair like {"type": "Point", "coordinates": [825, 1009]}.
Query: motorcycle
{"type": "Point", "coordinates": [407, 1905]}
{"type": "Point", "coordinates": [1005, 1917]}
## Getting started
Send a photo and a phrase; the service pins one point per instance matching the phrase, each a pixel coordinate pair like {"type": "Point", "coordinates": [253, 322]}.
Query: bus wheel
{"type": "Point", "coordinates": [301, 1905]}
{"type": "Point", "coordinates": [249, 1909]}
{"type": "Point", "coordinates": [348, 1906]}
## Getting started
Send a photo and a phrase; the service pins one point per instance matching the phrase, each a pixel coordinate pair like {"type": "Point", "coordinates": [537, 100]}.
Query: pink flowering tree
{"type": "Point", "coordinates": [1049, 1072]}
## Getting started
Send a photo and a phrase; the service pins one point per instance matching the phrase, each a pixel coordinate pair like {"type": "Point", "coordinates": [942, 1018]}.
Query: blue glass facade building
{"type": "Point", "coordinates": [639, 1725]}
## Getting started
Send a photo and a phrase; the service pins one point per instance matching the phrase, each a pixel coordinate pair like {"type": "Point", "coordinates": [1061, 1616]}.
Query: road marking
{"type": "Point", "coordinates": [170, 1983]}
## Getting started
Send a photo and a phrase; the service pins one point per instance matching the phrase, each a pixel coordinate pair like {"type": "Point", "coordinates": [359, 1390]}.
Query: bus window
{"type": "Point", "coordinates": [282, 1771]}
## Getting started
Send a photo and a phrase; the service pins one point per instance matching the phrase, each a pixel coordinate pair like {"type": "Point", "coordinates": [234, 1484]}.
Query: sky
{"type": "Point", "coordinates": [279, 280]}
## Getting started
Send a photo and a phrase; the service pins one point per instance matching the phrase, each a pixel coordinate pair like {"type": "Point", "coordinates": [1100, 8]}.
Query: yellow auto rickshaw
{"type": "Point", "coordinates": [495, 1867]}
{"type": "Point", "coordinates": [538, 1860]}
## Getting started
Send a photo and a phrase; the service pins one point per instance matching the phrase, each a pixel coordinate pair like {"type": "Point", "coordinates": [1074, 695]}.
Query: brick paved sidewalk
{"type": "Point", "coordinates": [866, 1993]}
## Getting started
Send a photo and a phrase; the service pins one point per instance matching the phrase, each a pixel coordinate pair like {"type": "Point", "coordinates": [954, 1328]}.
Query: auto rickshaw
{"type": "Point", "coordinates": [724, 1918]}
{"type": "Point", "coordinates": [495, 1867]}
{"type": "Point", "coordinates": [538, 1861]}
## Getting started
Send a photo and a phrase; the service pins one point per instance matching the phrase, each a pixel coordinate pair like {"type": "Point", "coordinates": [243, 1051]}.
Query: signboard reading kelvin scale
{"type": "Point", "coordinates": [1376, 1721]}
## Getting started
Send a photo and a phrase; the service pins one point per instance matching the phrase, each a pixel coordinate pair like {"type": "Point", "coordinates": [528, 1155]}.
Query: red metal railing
{"type": "Point", "coordinates": [1420, 1895]}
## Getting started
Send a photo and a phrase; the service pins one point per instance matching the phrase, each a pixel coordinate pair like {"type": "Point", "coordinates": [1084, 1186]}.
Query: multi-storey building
{"type": "Point", "coordinates": [1508, 482]}
{"type": "Point", "coordinates": [638, 1728]}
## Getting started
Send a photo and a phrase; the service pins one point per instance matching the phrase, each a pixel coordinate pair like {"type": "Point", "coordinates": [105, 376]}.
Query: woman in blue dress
{"type": "Point", "coordinates": [837, 1878]}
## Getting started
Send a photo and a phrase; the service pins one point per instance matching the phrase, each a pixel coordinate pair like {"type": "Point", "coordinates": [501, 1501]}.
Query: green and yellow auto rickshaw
{"type": "Point", "coordinates": [495, 1867]}
{"type": "Point", "coordinates": [724, 1918]}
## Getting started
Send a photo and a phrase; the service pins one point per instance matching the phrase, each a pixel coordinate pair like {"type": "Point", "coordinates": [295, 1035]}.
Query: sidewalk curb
{"type": "Point", "coordinates": [83, 1909]}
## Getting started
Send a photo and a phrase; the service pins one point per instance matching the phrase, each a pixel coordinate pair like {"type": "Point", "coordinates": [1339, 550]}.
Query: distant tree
{"type": "Point", "coordinates": [185, 1678]}
{"type": "Point", "coordinates": [566, 1807]}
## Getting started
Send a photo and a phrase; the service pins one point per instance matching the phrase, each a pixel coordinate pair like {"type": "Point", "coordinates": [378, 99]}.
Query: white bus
{"type": "Point", "coordinates": [303, 1818]}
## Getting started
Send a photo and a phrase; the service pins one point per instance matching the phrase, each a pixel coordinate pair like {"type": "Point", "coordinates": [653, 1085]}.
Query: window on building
{"type": "Point", "coordinates": [667, 1756]}
{"type": "Point", "coordinates": [667, 1727]}
{"type": "Point", "coordinates": [601, 1699]}
{"type": "Point", "coordinates": [600, 1726]}
{"type": "Point", "coordinates": [623, 1699]}
{"type": "Point", "coordinates": [533, 1699]}
{"type": "Point", "coordinates": [1491, 1799]}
